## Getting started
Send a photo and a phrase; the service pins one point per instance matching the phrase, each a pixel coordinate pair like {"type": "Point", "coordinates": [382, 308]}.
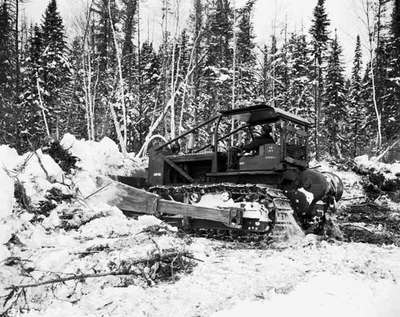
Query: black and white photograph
{"type": "Point", "coordinates": [199, 158]}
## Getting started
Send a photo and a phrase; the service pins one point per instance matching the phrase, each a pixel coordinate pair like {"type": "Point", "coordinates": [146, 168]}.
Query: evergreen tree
{"type": "Point", "coordinates": [6, 73]}
{"type": "Point", "coordinates": [395, 32]}
{"type": "Point", "coordinates": [357, 114]}
{"type": "Point", "coordinates": [220, 34]}
{"type": "Point", "coordinates": [393, 108]}
{"type": "Point", "coordinates": [6, 51]}
{"type": "Point", "coordinates": [299, 94]}
{"type": "Point", "coordinates": [277, 73]}
{"type": "Point", "coordinates": [77, 115]}
{"type": "Point", "coordinates": [139, 114]}
{"type": "Point", "coordinates": [55, 72]}
{"type": "Point", "coordinates": [128, 48]}
{"type": "Point", "coordinates": [319, 32]}
{"type": "Point", "coordinates": [245, 56]}
{"type": "Point", "coordinates": [218, 64]}
{"type": "Point", "coordinates": [245, 37]}
{"type": "Point", "coordinates": [319, 41]}
{"type": "Point", "coordinates": [282, 79]}
{"type": "Point", "coordinates": [31, 121]}
{"type": "Point", "coordinates": [197, 26]}
{"type": "Point", "coordinates": [103, 36]}
{"type": "Point", "coordinates": [335, 96]}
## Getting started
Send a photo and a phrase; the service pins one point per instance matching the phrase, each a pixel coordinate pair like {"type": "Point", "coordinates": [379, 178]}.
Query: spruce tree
{"type": "Point", "coordinates": [77, 115]}
{"type": "Point", "coordinates": [245, 56]}
{"type": "Point", "coordinates": [394, 73]}
{"type": "Point", "coordinates": [103, 32]}
{"type": "Point", "coordinates": [7, 74]}
{"type": "Point", "coordinates": [319, 41]}
{"type": "Point", "coordinates": [357, 114]}
{"type": "Point", "coordinates": [128, 48]}
{"type": "Point", "coordinates": [140, 113]}
{"type": "Point", "coordinates": [6, 51]}
{"type": "Point", "coordinates": [299, 92]}
{"type": "Point", "coordinates": [31, 122]}
{"type": "Point", "coordinates": [218, 63]}
{"type": "Point", "coordinates": [335, 96]}
{"type": "Point", "coordinates": [245, 37]}
{"type": "Point", "coordinates": [196, 44]}
{"type": "Point", "coordinates": [55, 72]}
{"type": "Point", "coordinates": [220, 34]}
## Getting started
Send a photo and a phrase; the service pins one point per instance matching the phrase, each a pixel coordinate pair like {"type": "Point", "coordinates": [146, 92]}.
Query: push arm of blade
{"type": "Point", "coordinates": [179, 170]}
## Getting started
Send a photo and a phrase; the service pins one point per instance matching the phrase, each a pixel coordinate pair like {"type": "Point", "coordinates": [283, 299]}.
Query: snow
{"type": "Point", "coordinates": [4, 253]}
{"type": "Point", "coordinates": [308, 278]}
{"type": "Point", "coordinates": [352, 182]}
{"type": "Point", "coordinates": [330, 295]}
{"type": "Point", "coordinates": [8, 161]}
{"type": "Point", "coordinates": [101, 158]}
{"type": "Point", "coordinates": [9, 157]}
{"type": "Point", "coordinates": [38, 175]}
{"type": "Point", "coordinates": [390, 171]}
{"type": "Point", "coordinates": [6, 194]}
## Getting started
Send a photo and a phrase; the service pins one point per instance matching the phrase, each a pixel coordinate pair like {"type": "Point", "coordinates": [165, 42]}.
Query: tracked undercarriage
{"type": "Point", "coordinates": [266, 211]}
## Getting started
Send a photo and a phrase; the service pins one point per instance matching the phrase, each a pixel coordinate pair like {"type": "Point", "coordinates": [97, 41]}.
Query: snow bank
{"type": "Point", "coordinates": [42, 166]}
{"type": "Point", "coordinates": [9, 159]}
{"type": "Point", "coordinates": [39, 175]}
{"type": "Point", "coordinates": [327, 295]}
{"type": "Point", "coordinates": [352, 182]}
{"type": "Point", "coordinates": [101, 158]}
{"type": "Point", "coordinates": [390, 171]}
{"type": "Point", "coordinates": [6, 194]}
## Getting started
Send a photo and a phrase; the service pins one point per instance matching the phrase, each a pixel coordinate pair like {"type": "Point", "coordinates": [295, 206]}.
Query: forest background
{"type": "Point", "coordinates": [110, 79]}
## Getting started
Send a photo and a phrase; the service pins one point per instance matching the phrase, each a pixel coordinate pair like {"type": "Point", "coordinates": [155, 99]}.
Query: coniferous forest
{"type": "Point", "coordinates": [109, 80]}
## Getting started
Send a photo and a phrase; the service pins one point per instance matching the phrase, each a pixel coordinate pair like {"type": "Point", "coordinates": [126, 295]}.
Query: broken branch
{"type": "Point", "coordinates": [153, 259]}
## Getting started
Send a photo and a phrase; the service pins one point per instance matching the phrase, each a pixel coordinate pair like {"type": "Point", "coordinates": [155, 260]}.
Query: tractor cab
{"type": "Point", "coordinates": [248, 145]}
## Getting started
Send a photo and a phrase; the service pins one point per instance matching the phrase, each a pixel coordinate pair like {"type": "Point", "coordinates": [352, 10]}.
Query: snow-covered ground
{"type": "Point", "coordinates": [310, 279]}
{"type": "Point", "coordinates": [83, 235]}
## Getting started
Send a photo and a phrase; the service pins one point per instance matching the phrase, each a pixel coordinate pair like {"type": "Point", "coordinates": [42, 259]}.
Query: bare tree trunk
{"type": "Point", "coordinates": [316, 107]}
{"type": "Point", "coordinates": [173, 74]}
{"type": "Point", "coordinates": [167, 107]}
{"type": "Point", "coordinates": [87, 79]}
{"type": "Point", "coordinates": [371, 34]}
{"type": "Point", "coordinates": [191, 60]}
{"type": "Point", "coordinates": [122, 137]}
{"type": "Point", "coordinates": [233, 100]}
{"type": "Point", "coordinates": [17, 66]}
{"type": "Point", "coordinates": [42, 108]}
{"type": "Point", "coordinates": [165, 53]}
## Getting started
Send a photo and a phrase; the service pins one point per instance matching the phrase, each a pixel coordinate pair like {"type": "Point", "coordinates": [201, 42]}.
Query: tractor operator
{"type": "Point", "coordinates": [264, 138]}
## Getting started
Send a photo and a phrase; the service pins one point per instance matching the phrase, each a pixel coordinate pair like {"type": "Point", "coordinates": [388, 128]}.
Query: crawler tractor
{"type": "Point", "coordinates": [209, 177]}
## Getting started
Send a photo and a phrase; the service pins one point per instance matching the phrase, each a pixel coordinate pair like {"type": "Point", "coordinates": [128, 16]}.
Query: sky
{"type": "Point", "coordinates": [270, 17]}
